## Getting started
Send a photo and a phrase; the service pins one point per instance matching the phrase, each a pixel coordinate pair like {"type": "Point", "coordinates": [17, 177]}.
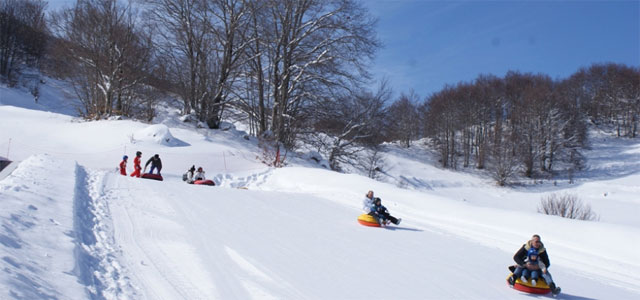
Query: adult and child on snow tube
{"type": "Point", "coordinates": [196, 176]}
{"type": "Point", "coordinates": [373, 207]}
{"type": "Point", "coordinates": [532, 262]}
{"type": "Point", "coordinates": [155, 161]}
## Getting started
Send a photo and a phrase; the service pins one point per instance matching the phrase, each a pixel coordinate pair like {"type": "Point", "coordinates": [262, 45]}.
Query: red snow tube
{"type": "Point", "coordinates": [205, 182]}
{"type": "Point", "coordinates": [152, 176]}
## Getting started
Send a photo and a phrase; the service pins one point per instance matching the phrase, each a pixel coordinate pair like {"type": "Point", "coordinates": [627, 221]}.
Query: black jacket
{"type": "Point", "coordinates": [155, 162]}
{"type": "Point", "coordinates": [521, 255]}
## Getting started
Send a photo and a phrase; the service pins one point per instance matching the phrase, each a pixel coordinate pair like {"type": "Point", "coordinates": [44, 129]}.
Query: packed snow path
{"type": "Point", "coordinates": [197, 242]}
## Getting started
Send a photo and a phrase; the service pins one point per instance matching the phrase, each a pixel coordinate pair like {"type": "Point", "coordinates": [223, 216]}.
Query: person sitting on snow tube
{"type": "Point", "coordinates": [188, 177]}
{"type": "Point", "coordinates": [367, 203]}
{"type": "Point", "coordinates": [382, 214]}
{"type": "Point", "coordinates": [522, 255]}
{"type": "Point", "coordinates": [532, 268]}
{"type": "Point", "coordinates": [199, 174]}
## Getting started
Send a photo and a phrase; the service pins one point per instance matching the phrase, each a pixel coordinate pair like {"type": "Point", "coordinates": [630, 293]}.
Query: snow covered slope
{"type": "Point", "coordinates": [72, 228]}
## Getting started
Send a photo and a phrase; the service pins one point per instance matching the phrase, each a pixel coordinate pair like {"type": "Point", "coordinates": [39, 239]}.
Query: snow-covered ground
{"type": "Point", "coordinates": [73, 228]}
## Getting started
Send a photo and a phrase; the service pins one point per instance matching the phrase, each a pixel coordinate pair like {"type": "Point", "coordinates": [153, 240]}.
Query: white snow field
{"type": "Point", "coordinates": [73, 228]}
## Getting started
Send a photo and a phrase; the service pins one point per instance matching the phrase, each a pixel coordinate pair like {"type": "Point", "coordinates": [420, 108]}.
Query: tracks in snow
{"type": "Point", "coordinates": [97, 255]}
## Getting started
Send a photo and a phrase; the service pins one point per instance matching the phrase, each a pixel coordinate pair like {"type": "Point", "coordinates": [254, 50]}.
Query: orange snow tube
{"type": "Point", "coordinates": [541, 286]}
{"type": "Point", "coordinates": [368, 220]}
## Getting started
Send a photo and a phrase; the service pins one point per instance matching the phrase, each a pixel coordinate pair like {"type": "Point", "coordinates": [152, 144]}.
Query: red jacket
{"type": "Point", "coordinates": [136, 163]}
{"type": "Point", "coordinates": [123, 167]}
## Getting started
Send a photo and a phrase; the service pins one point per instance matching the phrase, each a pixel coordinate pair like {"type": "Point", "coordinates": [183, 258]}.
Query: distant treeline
{"type": "Point", "coordinates": [525, 122]}
{"type": "Point", "coordinates": [297, 72]}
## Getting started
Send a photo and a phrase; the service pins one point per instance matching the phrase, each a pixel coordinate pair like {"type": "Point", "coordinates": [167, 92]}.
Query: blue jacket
{"type": "Point", "coordinates": [379, 209]}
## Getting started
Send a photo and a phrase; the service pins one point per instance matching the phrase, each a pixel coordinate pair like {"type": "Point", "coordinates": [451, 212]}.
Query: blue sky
{"type": "Point", "coordinates": [429, 44]}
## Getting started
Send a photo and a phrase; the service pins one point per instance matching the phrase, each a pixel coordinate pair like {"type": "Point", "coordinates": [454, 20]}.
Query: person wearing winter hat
{"type": "Point", "coordinates": [522, 255]}
{"type": "Point", "coordinates": [123, 165]}
{"type": "Point", "coordinates": [533, 267]}
{"type": "Point", "coordinates": [199, 174]}
{"type": "Point", "coordinates": [188, 177]}
{"type": "Point", "coordinates": [136, 165]}
{"type": "Point", "coordinates": [155, 162]}
{"type": "Point", "coordinates": [380, 213]}
{"type": "Point", "coordinates": [367, 203]}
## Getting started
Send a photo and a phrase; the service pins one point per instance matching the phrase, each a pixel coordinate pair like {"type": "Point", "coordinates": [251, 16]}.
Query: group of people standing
{"type": "Point", "coordinates": [155, 161]}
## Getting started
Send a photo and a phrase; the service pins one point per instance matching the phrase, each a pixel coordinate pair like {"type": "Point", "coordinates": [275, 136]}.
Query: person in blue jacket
{"type": "Point", "coordinates": [382, 214]}
{"type": "Point", "coordinates": [521, 256]}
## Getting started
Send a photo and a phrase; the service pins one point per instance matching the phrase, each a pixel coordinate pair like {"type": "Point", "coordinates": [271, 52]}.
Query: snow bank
{"type": "Point", "coordinates": [159, 134]}
{"type": "Point", "coordinates": [37, 235]}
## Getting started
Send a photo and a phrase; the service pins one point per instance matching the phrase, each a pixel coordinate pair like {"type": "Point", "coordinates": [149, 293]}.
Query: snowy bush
{"type": "Point", "coordinates": [567, 206]}
{"type": "Point", "coordinates": [159, 134]}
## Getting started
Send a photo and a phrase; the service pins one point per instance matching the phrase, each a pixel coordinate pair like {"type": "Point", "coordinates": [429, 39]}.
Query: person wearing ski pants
{"type": "Point", "coordinates": [533, 267]}
{"type": "Point", "coordinates": [367, 203]}
{"type": "Point", "coordinates": [137, 168]}
{"type": "Point", "coordinates": [382, 214]}
{"type": "Point", "coordinates": [521, 256]}
{"type": "Point", "coordinates": [123, 165]}
{"type": "Point", "coordinates": [155, 162]}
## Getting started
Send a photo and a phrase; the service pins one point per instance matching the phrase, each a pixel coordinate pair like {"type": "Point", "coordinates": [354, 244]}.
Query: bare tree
{"type": "Point", "coordinates": [184, 47]}
{"type": "Point", "coordinates": [346, 126]}
{"type": "Point", "coordinates": [229, 25]}
{"type": "Point", "coordinates": [105, 54]}
{"type": "Point", "coordinates": [22, 35]}
{"type": "Point", "coordinates": [403, 119]}
{"type": "Point", "coordinates": [314, 48]}
{"type": "Point", "coordinates": [441, 124]}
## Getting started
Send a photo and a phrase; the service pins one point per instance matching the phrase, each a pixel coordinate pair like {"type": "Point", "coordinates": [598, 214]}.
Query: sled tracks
{"type": "Point", "coordinates": [243, 182]}
{"type": "Point", "coordinates": [96, 255]}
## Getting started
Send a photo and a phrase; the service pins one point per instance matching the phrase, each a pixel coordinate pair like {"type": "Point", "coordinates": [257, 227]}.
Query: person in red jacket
{"type": "Point", "coordinates": [123, 165]}
{"type": "Point", "coordinates": [136, 165]}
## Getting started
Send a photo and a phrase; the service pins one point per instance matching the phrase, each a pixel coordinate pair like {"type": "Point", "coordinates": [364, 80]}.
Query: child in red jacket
{"type": "Point", "coordinates": [136, 165]}
{"type": "Point", "coordinates": [123, 165]}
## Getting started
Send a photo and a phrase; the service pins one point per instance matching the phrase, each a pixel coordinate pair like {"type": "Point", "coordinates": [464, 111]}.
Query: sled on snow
{"type": "Point", "coordinates": [204, 182]}
{"type": "Point", "coordinates": [368, 220]}
{"type": "Point", "coordinates": [540, 288]}
{"type": "Point", "coordinates": [152, 176]}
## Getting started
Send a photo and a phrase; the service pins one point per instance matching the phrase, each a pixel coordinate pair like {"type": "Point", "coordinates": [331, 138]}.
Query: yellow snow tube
{"type": "Point", "coordinates": [368, 220]}
{"type": "Point", "coordinates": [541, 286]}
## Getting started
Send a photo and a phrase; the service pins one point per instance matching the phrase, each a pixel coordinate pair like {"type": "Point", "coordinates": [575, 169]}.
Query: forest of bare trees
{"type": "Point", "coordinates": [297, 71]}
{"type": "Point", "coordinates": [529, 122]}
{"type": "Point", "coordinates": [22, 36]}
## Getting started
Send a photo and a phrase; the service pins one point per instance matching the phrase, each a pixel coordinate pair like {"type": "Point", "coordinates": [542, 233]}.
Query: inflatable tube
{"type": "Point", "coordinates": [541, 286]}
{"type": "Point", "coordinates": [152, 176]}
{"type": "Point", "coordinates": [368, 220]}
{"type": "Point", "coordinates": [205, 182]}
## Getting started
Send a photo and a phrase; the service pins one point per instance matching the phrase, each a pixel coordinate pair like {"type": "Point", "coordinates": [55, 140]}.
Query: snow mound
{"type": "Point", "coordinates": [159, 134]}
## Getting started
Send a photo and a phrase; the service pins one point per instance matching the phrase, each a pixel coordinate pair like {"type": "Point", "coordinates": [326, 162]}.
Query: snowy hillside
{"type": "Point", "coordinates": [73, 228]}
